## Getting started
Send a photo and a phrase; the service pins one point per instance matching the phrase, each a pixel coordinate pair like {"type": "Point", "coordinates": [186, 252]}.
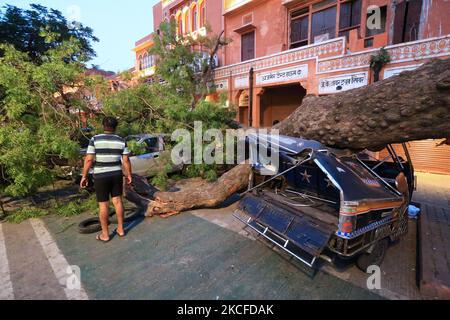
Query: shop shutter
{"type": "Point", "coordinates": [426, 157]}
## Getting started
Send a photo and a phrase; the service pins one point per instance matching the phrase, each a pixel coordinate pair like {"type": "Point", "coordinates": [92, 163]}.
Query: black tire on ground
{"type": "Point", "coordinates": [376, 257]}
{"type": "Point", "coordinates": [130, 215]}
{"type": "Point", "coordinates": [89, 226]}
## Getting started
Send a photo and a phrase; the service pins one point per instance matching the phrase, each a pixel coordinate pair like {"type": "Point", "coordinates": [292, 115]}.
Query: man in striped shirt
{"type": "Point", "coordinates": [108, 153]}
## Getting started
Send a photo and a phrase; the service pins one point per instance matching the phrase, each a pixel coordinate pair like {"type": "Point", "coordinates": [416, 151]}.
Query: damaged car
{"type": "Point", "coordinates": [322, 204]}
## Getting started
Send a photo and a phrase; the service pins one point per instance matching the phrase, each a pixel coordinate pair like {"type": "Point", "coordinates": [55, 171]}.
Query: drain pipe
{"type": "Point", "coordinates": [250, 98]}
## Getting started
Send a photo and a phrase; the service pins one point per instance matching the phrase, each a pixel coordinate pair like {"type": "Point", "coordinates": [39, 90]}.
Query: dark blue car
{"type": "Point", "coordinates": [323, 203]}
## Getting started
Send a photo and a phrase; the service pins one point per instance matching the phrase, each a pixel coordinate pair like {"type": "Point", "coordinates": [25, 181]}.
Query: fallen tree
{"type": "Point", "coordinates": [414, 105]}
{"type": "Point", "coordinates": [187, 194]}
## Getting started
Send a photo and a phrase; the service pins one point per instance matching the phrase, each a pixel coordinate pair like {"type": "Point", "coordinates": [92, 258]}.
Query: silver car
{"type": "Point", "coordinates": [155, 158]}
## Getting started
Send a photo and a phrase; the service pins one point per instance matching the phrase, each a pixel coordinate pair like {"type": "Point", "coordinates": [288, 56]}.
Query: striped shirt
{"type": "Point", "coordinates": [108, 150]}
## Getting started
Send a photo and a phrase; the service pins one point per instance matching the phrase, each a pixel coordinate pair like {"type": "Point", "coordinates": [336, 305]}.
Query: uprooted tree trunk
{"type": "Point", "coordinates": [412, 106]}
{"type": "Point", "coordinates": [187, 194]}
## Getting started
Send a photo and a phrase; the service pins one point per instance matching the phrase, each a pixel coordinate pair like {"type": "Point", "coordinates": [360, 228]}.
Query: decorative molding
{"type": "Point", "coordinates": [404, 52]}
{"type": "Point", "coordinates": [335, 47]}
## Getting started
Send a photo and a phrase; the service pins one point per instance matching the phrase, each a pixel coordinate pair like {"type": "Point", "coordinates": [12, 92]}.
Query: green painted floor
{"type": "Point", "coordinates": [186, 257]}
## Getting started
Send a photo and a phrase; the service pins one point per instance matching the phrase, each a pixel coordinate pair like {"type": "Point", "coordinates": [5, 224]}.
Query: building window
{"type": "Point", "coordinates": [407, 21]}
{"type": "Point", "coordinates": [299, 28]}
{"type": "Point", "coordinates": [145, 63]}
{"type": "Point", "coordinates": [179, 20]}
{"type": "Point", "coordinates": [323, 25]}
{"type": "Point", "coordinates": [140, 65]}
{"type": "Point", "coordinates": [368, 42]}
{"type": "Point", "coordinates": [194, 18]}
{"type": "Point", "coordinates": [350, 15]}
{"type": "Point", "coordinates": [186, 21]}
{"type": "Point", "coordinates": [321, 4]}
{"type": "Point", "coordinates": [383, 14]}
{"type": "Point", "coordinates": [248, 46]}
{"type": "Point", "coordinates": [202, 13]}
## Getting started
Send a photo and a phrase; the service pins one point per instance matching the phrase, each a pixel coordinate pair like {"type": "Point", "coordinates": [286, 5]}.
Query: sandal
{"type": "Point", "coordinates": [101, 240]}
{"type": "Point", "coordinates": [121, 235]}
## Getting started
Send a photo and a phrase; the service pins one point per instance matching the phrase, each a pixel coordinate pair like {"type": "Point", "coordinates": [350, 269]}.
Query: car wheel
{"type": "Point", "coordinates": [375, 257]}
{"type": "Point", "coordinates": [89, 226]}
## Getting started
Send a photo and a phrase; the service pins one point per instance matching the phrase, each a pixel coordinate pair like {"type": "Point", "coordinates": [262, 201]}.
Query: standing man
{"type": "Point", "coordinates": [105, 152]}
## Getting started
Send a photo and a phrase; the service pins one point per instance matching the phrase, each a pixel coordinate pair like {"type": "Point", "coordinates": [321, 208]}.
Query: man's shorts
{"type": "Point", "coordinates": [108, 186]}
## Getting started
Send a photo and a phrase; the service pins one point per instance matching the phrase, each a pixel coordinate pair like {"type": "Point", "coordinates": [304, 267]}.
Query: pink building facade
{"type": "Point", "coordinates": [300, 47]}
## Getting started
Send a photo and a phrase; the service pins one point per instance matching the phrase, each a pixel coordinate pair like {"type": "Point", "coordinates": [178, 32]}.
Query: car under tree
{"type": "Point", "coordinates": [325, 204]}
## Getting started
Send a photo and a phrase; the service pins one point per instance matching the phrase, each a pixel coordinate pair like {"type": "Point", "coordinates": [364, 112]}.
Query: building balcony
{"type": "Point", "coordinates": [143, 43]}
{"type": "Point", "coordinates": [328, 62]}
{"type": "Point", "coordinates": [329, 48]}
{"type": "Point", "coordinates": [145, 73]}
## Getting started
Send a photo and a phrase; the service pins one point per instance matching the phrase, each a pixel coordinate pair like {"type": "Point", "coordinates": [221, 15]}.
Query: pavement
{"type": "Point", "coordinates": [202, 254]}
{"type": "Point", "coordinates": [434, 235]}
{"type": "Point", "coordinates": [183, 257]}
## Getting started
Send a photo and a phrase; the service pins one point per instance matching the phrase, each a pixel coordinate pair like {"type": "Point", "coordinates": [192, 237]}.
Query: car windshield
{"type": "Point", "coordinates": [152, 144]}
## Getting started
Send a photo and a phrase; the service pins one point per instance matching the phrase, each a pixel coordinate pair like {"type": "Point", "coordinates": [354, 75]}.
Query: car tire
{"type": "Point", "coordinates": [375, 257]}
{"type": "Point", "coordinates": [89, 226]}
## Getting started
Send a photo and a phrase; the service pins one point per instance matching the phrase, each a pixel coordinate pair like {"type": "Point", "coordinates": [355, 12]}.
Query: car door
{"type": "Point", "coordinates": [141, 164]}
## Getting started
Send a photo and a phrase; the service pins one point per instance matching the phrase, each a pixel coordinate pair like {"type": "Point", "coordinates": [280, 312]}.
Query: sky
{"type": "Point", "coordinates": [117, 24]}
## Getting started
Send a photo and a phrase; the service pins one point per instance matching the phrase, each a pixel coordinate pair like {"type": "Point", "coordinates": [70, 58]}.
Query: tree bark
{"type": "Point", "coordinates": [187, 194]}
{"type": "Point", "coordinates": [414, 105]}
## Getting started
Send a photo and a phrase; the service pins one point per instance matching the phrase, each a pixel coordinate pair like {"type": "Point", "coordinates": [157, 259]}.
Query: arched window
{"type": "Point", "coordinates": [194, 17]}
{"type": "Point", "coordinates": [140, 62]}
{"type": "Point", "coordinates": [186, 23]}
{"type": "Point", "coordinates": [179, 23]}
{"type": "Point", "coordinates": [151, 60]}
{"type": "Point", "coordinates": [202, 13]}
{"type": "Point", "coordinates": [145, 64]}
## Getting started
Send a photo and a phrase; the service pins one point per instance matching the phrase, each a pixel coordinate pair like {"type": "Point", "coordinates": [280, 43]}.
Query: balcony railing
{"type": "Point", "coordinates": [403, 52]}
{"type": "Point", "coordinates": [329, 48]}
